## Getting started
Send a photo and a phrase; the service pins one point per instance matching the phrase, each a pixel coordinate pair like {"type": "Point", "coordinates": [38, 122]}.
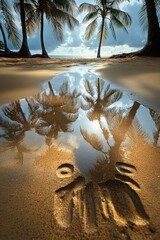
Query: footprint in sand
{"type": "Point", "coordinates": [115, 199]}
{"type": "Point", "coordinates": [65, 170]}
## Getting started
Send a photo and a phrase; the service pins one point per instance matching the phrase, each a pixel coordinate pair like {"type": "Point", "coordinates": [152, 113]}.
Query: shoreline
{"type": "Point", "coordinates": [138, 76]}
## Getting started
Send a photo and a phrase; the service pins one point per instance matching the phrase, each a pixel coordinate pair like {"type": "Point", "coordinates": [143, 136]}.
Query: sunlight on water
{"type": "Point", "coordinates": [83, 129]}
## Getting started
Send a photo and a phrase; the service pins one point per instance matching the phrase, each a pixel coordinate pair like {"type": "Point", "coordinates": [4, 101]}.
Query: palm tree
{"type": "Point", "coordinates": [7, 22]}
{"type": "Point", "coordinates": [57, 13]}
{"type": "Point", "coordinates": [152, 47]}
{"type": "Point", "coordinates": [109, 14]}
{"type": "Point", "coordinates": [20, 7]}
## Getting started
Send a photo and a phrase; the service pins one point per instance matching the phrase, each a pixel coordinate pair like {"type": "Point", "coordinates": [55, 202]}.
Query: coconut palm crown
{"type": "Point", "coordinates": [58, 13]}
{"type": "Point", "coordinates": [7, 22]}
{"type": "Point", "coordinates": [104, 15]}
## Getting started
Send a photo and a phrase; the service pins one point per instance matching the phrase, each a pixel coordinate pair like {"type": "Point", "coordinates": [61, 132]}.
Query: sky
{"type": "Point", "coordinates": [75, 45]}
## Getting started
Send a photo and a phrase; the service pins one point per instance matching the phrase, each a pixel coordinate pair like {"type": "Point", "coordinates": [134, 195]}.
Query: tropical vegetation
{"type": "Point", "coordinates": [152, 47]}
{"type": "Point", "coordinates": [7, 25]}
{"type": "Point", "coordinates": [1, 45]}
{"type": "Point", "coordinates": [104, 17]}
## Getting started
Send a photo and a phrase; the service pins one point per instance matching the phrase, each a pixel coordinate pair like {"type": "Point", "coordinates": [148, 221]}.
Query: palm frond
{"type": "Point", "coordinates": [112, 30]}
{"type": "Point", "coordinates": [143, 17]}
{"type": "Point", "coordinates": [89, 88]}
{"type": "Point", "coordinates": [90, 16]}
{"type": "Point", "coordinates": [122, 16]}
{"type": "Point", "coordinates": [69, 6]}
{"type": "Point", "coordinates": [9, 23]}
{"type": "Point", "coordinates": [118, 23]}
{"type": "Point", "coordinates": [57, 28]}
{"type": "Point", "coordinates": [90, 29]}
{"type": "Point", "coordinates": [87, 7]}
{"type": "Point", "coordinates": [93, 140]}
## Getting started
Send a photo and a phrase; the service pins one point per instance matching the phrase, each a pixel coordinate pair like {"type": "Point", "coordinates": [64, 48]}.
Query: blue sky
{"type": "Point", "coordinates": [75, 44]}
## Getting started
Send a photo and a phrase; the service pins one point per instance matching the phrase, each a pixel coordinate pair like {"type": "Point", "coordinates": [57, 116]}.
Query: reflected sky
{"type": "Point", "coordinates": [80, 114]}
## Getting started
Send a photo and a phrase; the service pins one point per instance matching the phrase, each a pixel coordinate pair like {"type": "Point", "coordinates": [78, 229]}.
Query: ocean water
{"type": "Point", "coordinates": [69, 56]}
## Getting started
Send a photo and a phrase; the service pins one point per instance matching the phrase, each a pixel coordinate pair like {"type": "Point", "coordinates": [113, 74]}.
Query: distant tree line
{"type": "Point", "coordinates": [102, 17]}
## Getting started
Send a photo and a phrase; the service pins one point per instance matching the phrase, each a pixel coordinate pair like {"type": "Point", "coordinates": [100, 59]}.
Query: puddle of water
{"type": "Point", "coordinates": [80, 122]}
{"type": "Point", "coordinates": [77, 112]}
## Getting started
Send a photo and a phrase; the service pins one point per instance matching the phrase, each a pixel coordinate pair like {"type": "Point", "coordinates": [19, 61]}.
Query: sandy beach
{"type": "Point", "coordinates": [139, 75]}
{"type": "Point", "coordinates": [48, 142]}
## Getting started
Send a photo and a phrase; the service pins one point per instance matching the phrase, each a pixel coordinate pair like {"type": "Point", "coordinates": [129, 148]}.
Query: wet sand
{"type": "Point", "coordinates": [22, 77]}
{"type": "Point", "coordinates": [46, 196]}
{"type": "Point", "coordinates": [140, 75]}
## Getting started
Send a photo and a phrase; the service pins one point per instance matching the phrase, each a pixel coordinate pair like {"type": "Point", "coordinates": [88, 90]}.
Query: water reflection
{"type": "Point", "coordinates": [94, 136]}
{"type": "Point", "coordinates": [56, 113]}
{"type": "Point", "coordinates": [99, 96]}
{"type": "Point", "coordinates": [156, 118]}
{"type": "Point", "coordinates": [94, 115]}
{"type": "Point", "coordinates": [14, 124]}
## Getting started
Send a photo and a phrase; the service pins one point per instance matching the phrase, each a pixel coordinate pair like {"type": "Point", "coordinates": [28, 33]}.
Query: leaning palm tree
{"type": "Point", "coordinates": [57, 13]}
{"type": "Point", "coordinates": [105, 13]}
{"type": "Point", "coordinates": [156, 118]}
{"type": "Point", "coordinates": [7, 23]}
{"type": "Point", "coordinates": [1, 45]}
{"type": "Point", "coordinates": [152, 47]}
{"type": "Point", "coordinates": [20, 7]}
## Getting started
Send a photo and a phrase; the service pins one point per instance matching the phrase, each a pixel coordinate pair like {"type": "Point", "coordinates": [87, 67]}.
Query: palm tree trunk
{"type": "Point", "coordinates": [126, 123]}
{"type": "Point", "coordinates": [44, 52]}
{"type": "Point", "coordinates": [51, 89]}
{"type": "Point", "coordinates": [4, 39]}
{"type": "Point", "coordinates": [24, 51]}
{"type": "Point", "coordinates": [99, 90]}
{"type": "Point", "coordinates": [156, 138]}
{"type": "Point", "coordinates": [152, 47]}
{"type": "Point", "coordinates": [100, 41]}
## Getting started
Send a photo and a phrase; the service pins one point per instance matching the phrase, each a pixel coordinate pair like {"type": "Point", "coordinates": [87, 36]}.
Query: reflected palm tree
{"type": "Point", "coordinates": [46, 161]}
{"type": "Point", "coordinates": [98, 98]}
{"type": "Point", "coordinates": [14, 125]}
{"type": "Point", "coordinates": [118, 126]}
{"type": "Point", "coordinates": [109, 188]}
{"type": "Point", "coordinates": [56, 112]}
{"type": "Point", "coordinates": [12, 137]}
{"type": "Point", "coordinates": [15, 113]}
{"type": "Point", "coordinates": [108, 195]}
{"type": "Point", "coordinates": [97, 105]}
{"type": "Point", "coordinates": [156, 118]}
{"type": "Point", "coordinates": [120, 122]}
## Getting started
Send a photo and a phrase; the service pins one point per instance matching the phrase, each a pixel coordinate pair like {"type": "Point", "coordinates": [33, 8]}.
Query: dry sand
{"type": "Point", "coordinates": [23, 77]}
{"type": "Point", "coordinates": [140, 75]}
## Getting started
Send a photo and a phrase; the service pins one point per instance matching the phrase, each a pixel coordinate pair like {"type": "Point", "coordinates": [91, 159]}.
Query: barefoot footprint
{"type": "Point", "coordinates": [118, 199]}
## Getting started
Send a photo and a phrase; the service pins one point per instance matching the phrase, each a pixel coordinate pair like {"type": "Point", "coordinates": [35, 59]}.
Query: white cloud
{"type": "Point", "coordinates": [73, 142]}
{"type": "Point", "coordinates": [83, 51]}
